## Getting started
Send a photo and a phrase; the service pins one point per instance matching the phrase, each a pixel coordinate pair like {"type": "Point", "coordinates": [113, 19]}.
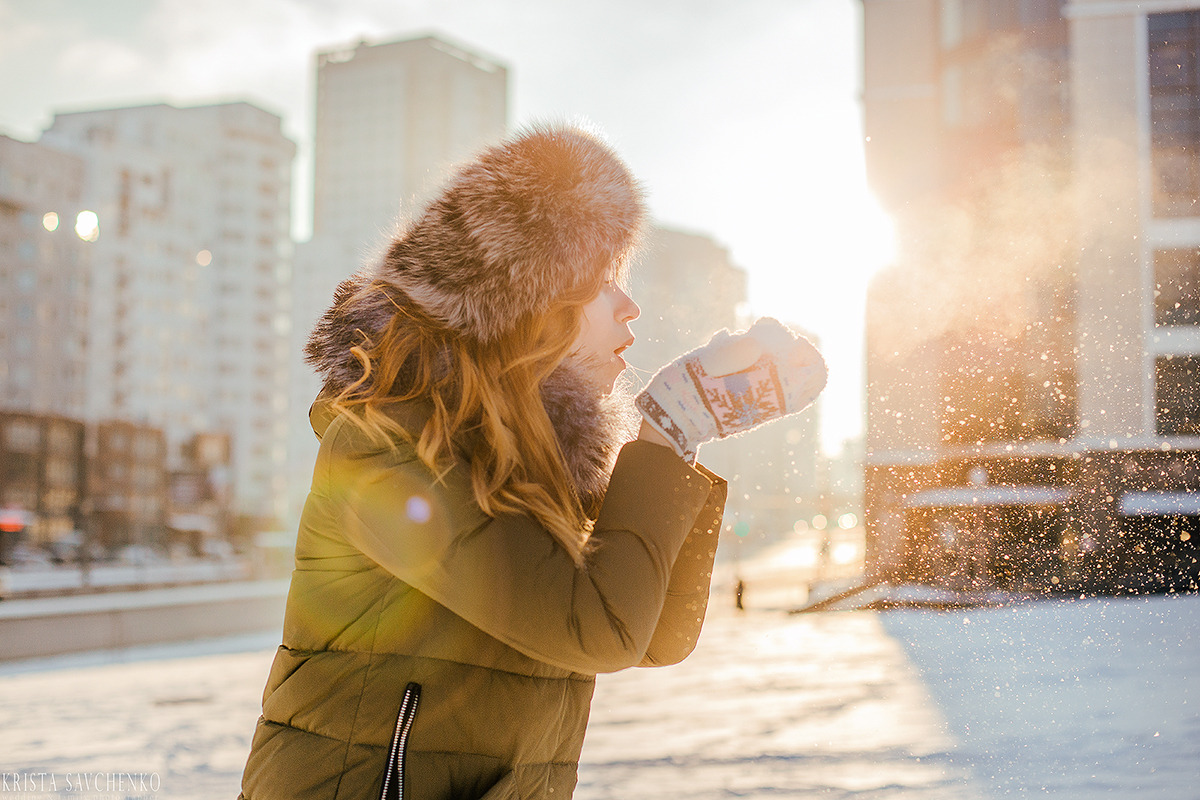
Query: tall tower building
{"type": "Point", "coordinates": [1033, 412]}
{"type": "Point", "coordinates": [390, 120]}
{"type": "Point", "coordinates": [189, 287]}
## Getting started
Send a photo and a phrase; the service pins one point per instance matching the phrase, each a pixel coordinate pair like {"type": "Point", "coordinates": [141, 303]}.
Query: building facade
{"type": "Point", "coordinates": [128, 486]}
{"type": "Point", "coordinates": [1031, 362]}
{"type": "Point", "coordinates": [42, 477]}
{"type": "Point", "coordinates": [391, 119]}
{"type": "Point", "coordinates": [189, 288]}
{"type": "Point", "coordinates": [44, 273]}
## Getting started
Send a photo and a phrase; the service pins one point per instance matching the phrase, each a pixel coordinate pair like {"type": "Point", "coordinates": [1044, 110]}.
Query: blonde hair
{"type": "Point", "coordinates": [487, 410]}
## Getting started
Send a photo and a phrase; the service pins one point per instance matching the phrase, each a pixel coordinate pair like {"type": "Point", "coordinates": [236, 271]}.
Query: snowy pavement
{"type": "Point", "coordinates": [1064, 699]}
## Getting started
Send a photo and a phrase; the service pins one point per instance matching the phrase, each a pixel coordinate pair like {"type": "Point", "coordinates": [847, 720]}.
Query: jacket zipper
{"type": "Point", "coordinates": [393, 778]}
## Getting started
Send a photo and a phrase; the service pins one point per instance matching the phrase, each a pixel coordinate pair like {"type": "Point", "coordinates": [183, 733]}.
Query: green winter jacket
{"type": "Point", "coordinates": [401, 580]}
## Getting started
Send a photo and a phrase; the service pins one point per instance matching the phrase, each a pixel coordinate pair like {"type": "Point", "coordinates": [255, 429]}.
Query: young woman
{"type": "Point", "coordinates": [486, 530]}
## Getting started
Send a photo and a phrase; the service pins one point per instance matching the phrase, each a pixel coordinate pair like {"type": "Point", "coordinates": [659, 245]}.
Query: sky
{"type": "Point", "coordinates": [742, 119]}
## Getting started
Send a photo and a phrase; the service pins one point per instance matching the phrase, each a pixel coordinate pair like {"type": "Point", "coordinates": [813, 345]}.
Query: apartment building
{"type": "Point", "coordinates": [44, 274]}
{"type": "Point", "coordinates": [1033, 413]}
{"type": "Point", "coordinates": [188, 293]}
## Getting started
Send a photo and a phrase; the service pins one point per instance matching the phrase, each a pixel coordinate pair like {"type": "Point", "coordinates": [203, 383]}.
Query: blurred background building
{"type": "Point", "coordinates": [189, 288]}
{"type": "Point", "coordinates": [44, 273]}
{"type": "Point", "coordinates": [145, 254]}
{"type": "Point", "coordinates": [128, 486]}
{"type": "Point", "coordinates": [42, 479]}
{"type": "Point", "coordinates": [1033, 412]}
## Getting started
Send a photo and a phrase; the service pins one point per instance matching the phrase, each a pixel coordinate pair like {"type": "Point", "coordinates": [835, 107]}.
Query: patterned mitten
{"type": "Point", "coordinates": [697, 398]}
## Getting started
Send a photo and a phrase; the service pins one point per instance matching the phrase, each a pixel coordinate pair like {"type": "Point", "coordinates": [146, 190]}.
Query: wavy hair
{"type": "Point", "coordinates": [487, 409]}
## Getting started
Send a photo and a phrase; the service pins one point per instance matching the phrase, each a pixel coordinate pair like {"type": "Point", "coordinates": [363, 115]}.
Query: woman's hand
{"type": "Point", "coordinates": [732, 384]}
{"type": "Point", "coordinates": [648, 433]}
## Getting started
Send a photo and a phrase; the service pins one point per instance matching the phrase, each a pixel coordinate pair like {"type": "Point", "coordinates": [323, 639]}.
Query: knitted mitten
{"type": "Point", "coordinates": [732, 384]}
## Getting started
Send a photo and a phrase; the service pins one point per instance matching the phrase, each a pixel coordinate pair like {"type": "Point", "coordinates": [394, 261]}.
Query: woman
{"type": "Point", "coordinates": [482, 537]}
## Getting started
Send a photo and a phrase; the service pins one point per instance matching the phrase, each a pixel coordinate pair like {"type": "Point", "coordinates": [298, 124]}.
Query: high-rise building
{"type": "Point", "coordinates": [189, 287]}
{"type": "Point", "coordinates": [1033, 412]}
{"type": "Point", "coordinates": [390, 120]}
{"type": "Point", "coordinates": [44, 271]}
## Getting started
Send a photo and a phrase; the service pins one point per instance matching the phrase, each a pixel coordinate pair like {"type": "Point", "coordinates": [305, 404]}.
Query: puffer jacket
{"type": "Point", "coordinates": [456, 653]}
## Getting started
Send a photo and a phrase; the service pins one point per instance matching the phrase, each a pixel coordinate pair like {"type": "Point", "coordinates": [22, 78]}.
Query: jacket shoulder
{"type": "Point", "coordinates": [342, 434]}
{"type": "Point", "coordinates": [348, 453]}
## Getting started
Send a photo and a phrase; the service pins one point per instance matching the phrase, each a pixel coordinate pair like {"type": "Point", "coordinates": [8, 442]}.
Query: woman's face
{"type": "Point", "coordinates": [604, 334]}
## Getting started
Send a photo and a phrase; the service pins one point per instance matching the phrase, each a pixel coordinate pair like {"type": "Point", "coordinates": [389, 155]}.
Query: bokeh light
{"type": "Point", "coordinates": [87, 226]}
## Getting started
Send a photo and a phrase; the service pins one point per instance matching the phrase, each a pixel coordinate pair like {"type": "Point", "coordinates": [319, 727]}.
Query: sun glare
{"type": "Point", "coordinates": [877, 243]}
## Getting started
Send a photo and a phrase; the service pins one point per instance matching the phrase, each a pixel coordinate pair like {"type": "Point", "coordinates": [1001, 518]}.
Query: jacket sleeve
{"type": "Point", "coordinates": [683, 611]}
{"type": "Point", "coordinates": [507, 575]}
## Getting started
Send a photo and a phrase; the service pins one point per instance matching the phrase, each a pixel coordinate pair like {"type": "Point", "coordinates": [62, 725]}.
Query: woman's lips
{"type": "Point", "coordinates": [619, 353]}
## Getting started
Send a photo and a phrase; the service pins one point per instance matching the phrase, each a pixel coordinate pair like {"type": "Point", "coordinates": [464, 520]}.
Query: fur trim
{"type": "Point", "coordinates": [591, 427]}
{"type": "Point", "coordinates": [527, 221]}
{"type": "Point", "coordinates": [353, 315]}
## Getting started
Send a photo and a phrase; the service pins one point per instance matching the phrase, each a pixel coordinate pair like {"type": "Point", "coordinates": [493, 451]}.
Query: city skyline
{"type": "Point", "coordinates": [742, 123]}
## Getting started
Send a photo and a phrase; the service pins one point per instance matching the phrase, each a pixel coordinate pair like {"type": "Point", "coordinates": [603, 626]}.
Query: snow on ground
{"type": "Point", "coordinates": [182, 713]}
{"type": "Point", "coordinates": [1067, 699]}
{"type": "Point", "coordinates": [772, 706]}
{"type": "Point", "coordinates": [1063, 699]}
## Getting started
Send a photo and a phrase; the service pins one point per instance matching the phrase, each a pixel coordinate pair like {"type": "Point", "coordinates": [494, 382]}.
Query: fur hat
{"type": "Point", "coordinates": [525, 222]}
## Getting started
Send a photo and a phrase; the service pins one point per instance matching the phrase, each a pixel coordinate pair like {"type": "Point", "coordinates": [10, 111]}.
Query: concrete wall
{"type": "Point", "coordinates": [59, 625]}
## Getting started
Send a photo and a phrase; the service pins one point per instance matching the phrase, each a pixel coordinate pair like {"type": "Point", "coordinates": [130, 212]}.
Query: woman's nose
{"type": "Point", "coordinates": [627, 310]}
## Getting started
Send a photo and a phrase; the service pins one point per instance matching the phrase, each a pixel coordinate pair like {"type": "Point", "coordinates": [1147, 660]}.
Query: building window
{"type": "Point", "coordinates": [1177, 287]}
{"type": "Point", "coordinates": [1177, 401]}
{"type": "Point", "coordinates": [22, 436]}
{"type": "Point", "coordinates": [1174, 48]}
